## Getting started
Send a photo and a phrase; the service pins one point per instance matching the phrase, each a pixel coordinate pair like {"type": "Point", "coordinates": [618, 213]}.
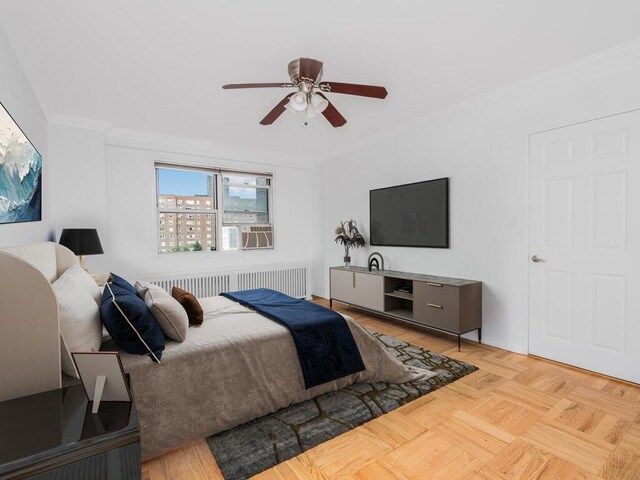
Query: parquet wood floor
{"type": "Point", "coordinates": [517, 418]}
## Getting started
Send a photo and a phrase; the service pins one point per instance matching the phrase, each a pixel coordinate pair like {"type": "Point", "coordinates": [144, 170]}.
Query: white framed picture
{"type": "Point", "coordinates": [102, 376]}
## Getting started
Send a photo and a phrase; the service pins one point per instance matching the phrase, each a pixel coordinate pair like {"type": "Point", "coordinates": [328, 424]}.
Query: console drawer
{"type": "Point", "coordinates": [436, 293]}
{"type": "Point", "coordinates": [437, 315]}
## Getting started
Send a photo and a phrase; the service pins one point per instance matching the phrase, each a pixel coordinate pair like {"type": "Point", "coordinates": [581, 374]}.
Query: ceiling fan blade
{"type": "Point", "coordinates": [310, 68]}
{"type": "Point", "coordinates": [256, 85]}
{"type": "Point", "coordinates": [355, 89]}
{"type": "Point", "coordinates": [332, 114]}
{"type": "Point", "coordinates": [278, 110]}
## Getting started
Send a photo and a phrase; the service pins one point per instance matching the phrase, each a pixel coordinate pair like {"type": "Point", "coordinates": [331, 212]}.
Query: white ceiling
{"type": "Point", "coordinates": [158, 65]}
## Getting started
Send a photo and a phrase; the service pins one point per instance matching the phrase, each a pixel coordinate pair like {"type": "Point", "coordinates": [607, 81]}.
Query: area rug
{"type": "Point", "coordinates": [255, 446]}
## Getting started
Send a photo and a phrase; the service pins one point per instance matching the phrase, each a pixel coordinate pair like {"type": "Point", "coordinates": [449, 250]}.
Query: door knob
{"type": "Point", "coordinates": [537, 259]}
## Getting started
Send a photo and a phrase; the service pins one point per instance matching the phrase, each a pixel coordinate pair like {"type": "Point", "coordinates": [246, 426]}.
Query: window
{"type": "Point", "coordinates": [177, 190]}
{"type": "Point", "coordinates": [228, 205]}
{"type": "Point", "coordinates": [245, 201]}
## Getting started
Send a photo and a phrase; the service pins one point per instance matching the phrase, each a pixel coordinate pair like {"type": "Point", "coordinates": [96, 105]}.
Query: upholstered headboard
{"type": "Point", "coordinates": [52, 259]}
{"type": "Point", "coordinates": [29, 331]}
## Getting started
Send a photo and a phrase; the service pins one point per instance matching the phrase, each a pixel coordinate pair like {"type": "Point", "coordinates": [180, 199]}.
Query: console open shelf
{"type": "Point", "coordinates": [402, 313]}
{"type": "Point", "coordinates": [452, 305]}
{"type": "Point", "coordinates": [405, 296]}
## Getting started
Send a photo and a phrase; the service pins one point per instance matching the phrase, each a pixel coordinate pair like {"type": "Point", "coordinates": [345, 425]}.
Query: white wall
{"type": "Point", "coordinates": [132, 218]}
{"type": "Point", "coordinates": [105, 179]}
{"type": "Point", "coordinates": [78, 185]}
{"type": "Point", "coordinates": [318, 240]}
{"type": "Point", "coordinates": [18, 98]}
{"type": "Point", "coordinates": [485, 154]}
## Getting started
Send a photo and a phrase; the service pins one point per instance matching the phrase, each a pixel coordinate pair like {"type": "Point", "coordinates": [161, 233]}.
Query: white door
{"type": "Point", "coordinates": [584, 265]}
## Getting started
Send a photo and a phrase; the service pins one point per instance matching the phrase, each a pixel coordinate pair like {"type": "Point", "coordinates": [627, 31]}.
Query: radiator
{"type": "Point", "coordinates": [291, 281]}
{"type": "Point", "coordinates": [201, 286]}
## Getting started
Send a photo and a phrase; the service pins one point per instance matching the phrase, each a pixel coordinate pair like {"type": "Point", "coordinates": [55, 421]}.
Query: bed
{"type": "Point", "coordinates": [237, 366]}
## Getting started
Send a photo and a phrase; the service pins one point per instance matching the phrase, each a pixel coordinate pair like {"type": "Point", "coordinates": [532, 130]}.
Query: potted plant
{"type": "Point", "coordinates": [349, 237]}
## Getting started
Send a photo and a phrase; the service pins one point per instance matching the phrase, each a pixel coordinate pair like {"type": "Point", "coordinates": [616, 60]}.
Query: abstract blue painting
{"type": "Point", "coordinates": [20, 174]}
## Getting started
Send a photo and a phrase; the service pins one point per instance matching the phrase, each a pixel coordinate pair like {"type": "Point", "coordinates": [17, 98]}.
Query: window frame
{"type": "Point", "coordinates": [218, 201]}
{"type": "Point", "coordinates": [239, 185]}
{"type": "Point", "coordinates": [184, 211]}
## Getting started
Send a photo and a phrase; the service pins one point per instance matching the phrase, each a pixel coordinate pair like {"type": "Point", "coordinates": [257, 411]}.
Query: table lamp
{"type": "Point", "coordinates": [81, 241]}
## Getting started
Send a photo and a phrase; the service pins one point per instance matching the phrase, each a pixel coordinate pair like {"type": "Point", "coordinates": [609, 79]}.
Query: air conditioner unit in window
{"type": "Point", "coordinates": [256, 237]}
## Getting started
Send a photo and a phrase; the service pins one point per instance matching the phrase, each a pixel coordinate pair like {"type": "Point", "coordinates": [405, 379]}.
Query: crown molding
{"type": "Point", "coordinates": [142, 140]}
{"type": "Point", "coordinates": [81, 122]}
{"type": "Point", "coordinates": [136, 139]}
{"type": "Point", "coordinates": [605, 59]}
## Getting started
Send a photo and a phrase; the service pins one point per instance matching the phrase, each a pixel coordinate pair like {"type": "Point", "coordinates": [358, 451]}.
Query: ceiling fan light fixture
{"type": "Point", "coordinates": [319, 104]}
{"type": "Point", "coordinates": [298, 102]}
{"type": "Point", "coordinates": [305, 87]}
{"type": "Point", "coordinates": [305, 74]}
{"type": "Point", "coordinates": [310, 111]}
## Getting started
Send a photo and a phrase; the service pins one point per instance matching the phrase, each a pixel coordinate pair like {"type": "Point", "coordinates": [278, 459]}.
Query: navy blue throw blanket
{"type": "Point", "coordinates": [326, 348]}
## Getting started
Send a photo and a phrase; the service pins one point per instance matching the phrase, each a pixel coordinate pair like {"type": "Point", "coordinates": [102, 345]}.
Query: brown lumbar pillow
{"type": "Point", "coordinates": [190, 304]}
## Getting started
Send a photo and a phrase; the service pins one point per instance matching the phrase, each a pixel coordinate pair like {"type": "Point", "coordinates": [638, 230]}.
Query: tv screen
{"type": "Point", "coordinates": [412, 215]}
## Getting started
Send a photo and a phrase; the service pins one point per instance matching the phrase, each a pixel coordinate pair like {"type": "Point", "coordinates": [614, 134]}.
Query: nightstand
{"type": "Point", "coordinates": [54, 435]}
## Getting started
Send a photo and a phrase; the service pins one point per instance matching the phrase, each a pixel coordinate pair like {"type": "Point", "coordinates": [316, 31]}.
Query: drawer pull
{"type": "Point", "coordinates": [432, 284]}
{"type": "Point", "coordinates": [434, 305]}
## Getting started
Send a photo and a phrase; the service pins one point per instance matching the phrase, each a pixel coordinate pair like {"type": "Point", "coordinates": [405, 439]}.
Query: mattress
{"type": "Point", "coordinates": [235, 367]}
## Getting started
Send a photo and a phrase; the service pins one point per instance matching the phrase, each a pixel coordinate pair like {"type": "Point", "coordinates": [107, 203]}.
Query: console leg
{"type": "Point", "coordinates": [458, 342]}
{"type": "Point", "coordinates": [331, 303]}
{"type": "Point", "coordinates": [480, 335]}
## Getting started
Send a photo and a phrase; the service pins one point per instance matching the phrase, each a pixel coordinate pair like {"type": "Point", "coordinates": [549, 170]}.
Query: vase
{"type": "Point", "coordinates": [347, 260]}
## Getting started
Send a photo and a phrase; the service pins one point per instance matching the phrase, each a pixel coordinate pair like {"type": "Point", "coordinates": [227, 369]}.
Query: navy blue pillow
{"type": "Point", "coordinates": [140, 317]}
{"type": "Point", "coordinates": [121, 282]}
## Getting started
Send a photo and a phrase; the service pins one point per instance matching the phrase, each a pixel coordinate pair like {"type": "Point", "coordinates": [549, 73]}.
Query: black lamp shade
{"type": "Point", "coordinates": [81, 241]}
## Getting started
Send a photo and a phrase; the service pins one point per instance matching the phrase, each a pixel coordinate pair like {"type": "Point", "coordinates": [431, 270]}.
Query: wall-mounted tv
{"type": "Point", "coordinates": [411, 215]}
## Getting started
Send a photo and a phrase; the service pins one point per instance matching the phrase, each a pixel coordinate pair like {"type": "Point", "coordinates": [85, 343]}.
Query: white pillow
{"type": "Point", "coordinates": [85, 281]}
{"type": "Point", "coordinates": [79, 318]}
{"type": "Point", "coordinates": [167, 311]}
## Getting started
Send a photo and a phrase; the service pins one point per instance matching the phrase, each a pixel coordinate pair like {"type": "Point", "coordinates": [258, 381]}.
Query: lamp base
{"type": "Point", "coordinates": [82, 265]}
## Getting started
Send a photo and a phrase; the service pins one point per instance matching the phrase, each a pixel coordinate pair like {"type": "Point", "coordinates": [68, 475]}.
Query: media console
{"type": "Point", "coordinates": [452, 305]}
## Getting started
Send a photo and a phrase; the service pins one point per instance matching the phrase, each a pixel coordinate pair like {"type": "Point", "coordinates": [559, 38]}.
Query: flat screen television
{"type": "Point", "coordinates": [411, 215]}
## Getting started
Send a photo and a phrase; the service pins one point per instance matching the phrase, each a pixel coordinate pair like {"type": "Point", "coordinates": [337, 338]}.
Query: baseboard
{"type": "Point", "coordinates": [499, 343]}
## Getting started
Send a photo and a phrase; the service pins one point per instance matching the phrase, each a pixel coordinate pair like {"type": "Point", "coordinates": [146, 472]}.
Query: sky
{"type": "Point", "coordinates": [182, 182]}
{"type": "Point", "coordinates": [187, 182]}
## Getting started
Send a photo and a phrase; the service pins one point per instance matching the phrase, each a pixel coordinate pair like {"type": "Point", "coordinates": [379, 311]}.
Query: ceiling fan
{"type": "Point", "coordinates": [305, 74]}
